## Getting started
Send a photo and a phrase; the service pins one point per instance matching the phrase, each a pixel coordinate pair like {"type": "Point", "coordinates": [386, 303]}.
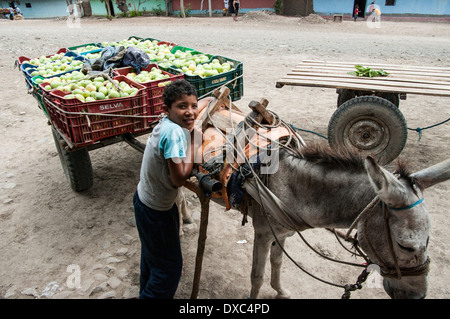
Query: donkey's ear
{"type": "Point", "coordinates": [432, 175]}
{"type": "Point", "coordinates": [378, 176]}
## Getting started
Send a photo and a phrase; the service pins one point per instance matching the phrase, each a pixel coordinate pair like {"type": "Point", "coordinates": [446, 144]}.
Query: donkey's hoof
{"type": "Point", "coordinates": [283, 294]}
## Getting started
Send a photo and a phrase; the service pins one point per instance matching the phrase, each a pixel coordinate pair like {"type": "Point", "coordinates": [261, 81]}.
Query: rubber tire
{"type": "Point", "coordinates": [76, 165]}
{"type": "Point", "coordinates": [346, 95]}
{"type": "Point", "coordinates": [371, 125]}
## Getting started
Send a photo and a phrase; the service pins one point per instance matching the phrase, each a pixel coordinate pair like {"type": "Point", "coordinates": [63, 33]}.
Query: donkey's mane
{"type": "Point", "coordinates": [334, 158]}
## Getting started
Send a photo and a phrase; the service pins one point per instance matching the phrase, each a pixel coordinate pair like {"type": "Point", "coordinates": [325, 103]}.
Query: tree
{"type": "Point", "coordinates": [183, 14]}
{"type": "Point", "coordinates": [122, 5]}
{"type": "Point", "coordinates": [108, 8]}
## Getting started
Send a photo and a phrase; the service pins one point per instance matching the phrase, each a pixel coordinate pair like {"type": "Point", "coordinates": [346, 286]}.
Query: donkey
{"type": "Point", "coordinates": [315, 186]}
{"type": "Point", "coordinates": [328, 188]}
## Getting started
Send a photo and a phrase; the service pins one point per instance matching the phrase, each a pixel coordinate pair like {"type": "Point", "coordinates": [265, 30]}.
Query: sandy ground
{"type": "Point", "coordinates": [51, 236]}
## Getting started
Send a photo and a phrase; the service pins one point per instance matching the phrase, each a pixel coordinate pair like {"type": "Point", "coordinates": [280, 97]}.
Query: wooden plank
{"type": "Point", "coordinates": [373, 65]}
{"type": "Point", "coordinates": [408, 79]}
{"type": "Point", "coordinates": [327, 69]}
{"type": "Point", "coordinates": [402, 78]}
{"type": "Point", "coordinates": [358, 86]}
{"type": "Point", "coordinates": [423, 70]}
{"type": "Point", "coordinates": [369, 81]}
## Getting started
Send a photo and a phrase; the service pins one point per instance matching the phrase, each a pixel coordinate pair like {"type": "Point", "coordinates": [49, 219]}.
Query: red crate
{"type": "Point", "coordinates": [91, 126]}
{"type": "Point", "coordinates": [154, 92]}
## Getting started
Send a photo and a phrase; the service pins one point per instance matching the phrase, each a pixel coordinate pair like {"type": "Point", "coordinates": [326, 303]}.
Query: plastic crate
{"type": "Point", "coordinates": [98, 45]}
{"type": "Point", "coordinates": [76, 57]}
{"type": "Point", "coordinates": [233, 79]}
{"type": "Point", "coordinates": [182, 49]}
{"type": "Point", "coordinates": [38, 90]}
{"type": "Point", "coordinates": [26, 69]}
{"type": "Point", "coordinates": [151, 39]}
{"type": "Point", "coordinates": [84, 123]}
{"type": "Point", "coordinates": [169, 44]}
{"type": "Point", "coordinates": [154, 92]}
{"type": "Point", "coordinates": [167, 64]}
{"type": "Point", "coordinates": [23, 59]}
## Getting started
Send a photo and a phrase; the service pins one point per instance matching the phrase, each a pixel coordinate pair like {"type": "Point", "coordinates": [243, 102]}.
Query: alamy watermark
{"type": "Point", "coordinates": [374, 18]}
{"type": "Point", "coordinates": [374, 279]}
{"type": "Point", "coordinates": [74, 279]}
{"type": "Point", "coordinates": [74, 18]}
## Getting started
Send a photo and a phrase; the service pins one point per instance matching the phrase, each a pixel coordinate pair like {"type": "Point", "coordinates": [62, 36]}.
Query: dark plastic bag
{"type": "Point", "coordinates": [136, 58]}
{"type": "Point", "coordinates": [111, 58]}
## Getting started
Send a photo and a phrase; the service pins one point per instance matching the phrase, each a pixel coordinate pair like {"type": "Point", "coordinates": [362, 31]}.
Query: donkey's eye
{"type": "Point", "coordinates": [409, 249]}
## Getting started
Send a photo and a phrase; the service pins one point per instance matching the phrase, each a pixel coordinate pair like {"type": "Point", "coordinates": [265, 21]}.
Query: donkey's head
{"type": "Point", "coordinates": [395, 236]}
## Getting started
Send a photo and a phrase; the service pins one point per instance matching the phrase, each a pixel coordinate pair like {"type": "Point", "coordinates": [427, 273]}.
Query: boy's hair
{"type": "Point", "coordinates": [176, 89]}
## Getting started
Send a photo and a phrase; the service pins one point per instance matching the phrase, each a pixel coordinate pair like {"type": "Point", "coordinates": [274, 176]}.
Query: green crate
{"type": "Point", "coordinates": [98, 45]}
{"type": "Point", "coordinates": [135, 37]}
{"type": "Point", "coordinates": [182, 49]}
{"type": "Point", "coordinates": [233, 79]}
{"type": "Point", "coordinates": [151, 39]}
{"type": "Point", "coordinates": [166, 64]}
{"type": "Point", "coordinates": [38, 93]}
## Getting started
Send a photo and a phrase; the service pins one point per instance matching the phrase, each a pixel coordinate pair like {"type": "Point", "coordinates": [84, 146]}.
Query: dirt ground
{"type": "Point", "coordinates": [56, 243]}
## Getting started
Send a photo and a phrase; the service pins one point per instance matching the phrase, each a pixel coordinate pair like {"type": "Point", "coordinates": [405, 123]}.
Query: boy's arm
{"type": "Point", "coordinates": [180, 169]}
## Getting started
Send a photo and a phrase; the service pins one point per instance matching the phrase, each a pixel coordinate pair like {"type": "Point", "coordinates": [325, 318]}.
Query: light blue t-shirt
{"type": "Point", "coordinates": [172, 140]}
{"type": "Point", "coordinates": [155, 188]}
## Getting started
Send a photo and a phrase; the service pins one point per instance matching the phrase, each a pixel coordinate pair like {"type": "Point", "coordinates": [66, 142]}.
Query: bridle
{"type": "Point", "coordinates": [388, 271]}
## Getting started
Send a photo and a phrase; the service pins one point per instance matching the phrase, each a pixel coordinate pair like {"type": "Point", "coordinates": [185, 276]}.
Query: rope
{"type": "Point", "coordinates": [420, 130]}
{"type": "Point", "coordinates": [308, 131]}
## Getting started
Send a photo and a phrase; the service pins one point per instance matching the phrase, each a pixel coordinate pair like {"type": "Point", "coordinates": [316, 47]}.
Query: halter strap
{"type": "Point", "coordinates": [407, 207]}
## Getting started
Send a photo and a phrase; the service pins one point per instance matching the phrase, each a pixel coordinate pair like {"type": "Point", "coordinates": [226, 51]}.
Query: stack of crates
{"type": "Point", "coordinates": [84, 123]}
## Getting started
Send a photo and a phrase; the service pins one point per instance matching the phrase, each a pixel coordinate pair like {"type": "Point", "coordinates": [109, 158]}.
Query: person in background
{"type": "Point", "coordinates": [371, 7]}
{"type": "Point", "coordinates": [378, 14]}
{"type": "Point", "coordinates": [355, 14]}
{"type": "Point", "coordinates": [236, 6]}
{"type": "Point", "coordinates": [225, 3]}
{"type": "Point", "coordinates": [11, 13]}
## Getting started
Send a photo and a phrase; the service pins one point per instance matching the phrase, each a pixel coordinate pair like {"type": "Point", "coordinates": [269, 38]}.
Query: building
{"type": "Point", "coordinates": [39, 9]}
{"type": "Point", "coordinates": [387, 7]}
{"type": "Point", "coordinates": [36, 9]}
{"type": "Point", "coordinates": [217, 6]}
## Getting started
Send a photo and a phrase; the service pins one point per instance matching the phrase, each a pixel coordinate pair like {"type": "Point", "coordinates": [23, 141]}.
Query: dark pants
{"type": "Point", "coordinates": [161, 258]}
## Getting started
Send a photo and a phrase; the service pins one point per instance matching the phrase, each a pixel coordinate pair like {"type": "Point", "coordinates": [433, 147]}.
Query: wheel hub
{"type": "Point", "coordinates": [367, 135]}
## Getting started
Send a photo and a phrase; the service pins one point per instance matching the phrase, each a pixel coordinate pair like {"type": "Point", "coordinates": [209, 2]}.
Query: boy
{"type": "Point", "coordinates": [166, 165]}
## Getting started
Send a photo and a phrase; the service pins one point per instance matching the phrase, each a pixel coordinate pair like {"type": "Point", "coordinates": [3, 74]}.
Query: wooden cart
{"type": "Point", "coordinates": [368, 117]}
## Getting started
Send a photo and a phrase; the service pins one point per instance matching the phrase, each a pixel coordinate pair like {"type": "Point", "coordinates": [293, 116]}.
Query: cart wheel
{"type": "Point", "coordinates": [346, 95]}
{"type": "Point", "coordinates": [76, 165]}
{"type": "Point", "coordinates": [370, 125]}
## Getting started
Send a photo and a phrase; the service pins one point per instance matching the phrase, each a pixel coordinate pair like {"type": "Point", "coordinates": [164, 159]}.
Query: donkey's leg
{"type": "Point", "coordinates": [276, 259]}
{"type": "Point", "coordinates": [184, 215]}
{"type": "Point", "coordinates": [261, 247]}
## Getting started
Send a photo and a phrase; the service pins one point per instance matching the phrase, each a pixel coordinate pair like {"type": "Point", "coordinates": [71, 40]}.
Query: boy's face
{"type": "Point", "coordinates": [183, 111]}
